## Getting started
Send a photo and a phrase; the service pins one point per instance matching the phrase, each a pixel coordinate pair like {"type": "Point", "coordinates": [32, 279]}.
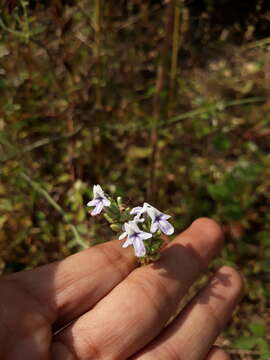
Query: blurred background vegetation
{"type": "Point", "coordinates": [165, 100]}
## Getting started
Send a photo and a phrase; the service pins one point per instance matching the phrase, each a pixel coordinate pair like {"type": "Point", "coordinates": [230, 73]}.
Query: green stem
{"type": "Point", "coordinates": [25, 25]}
{"type": "Point", "coordinates": [22, 34]}
{"type": "Point", "coordinates": [189, 114]}
{"type": "Point", "coordinates": [35, 145]}
{"type": "Point", "coordinates": [203, 110]}
{"type": "Point", "coordinates": [14, 32]}
{"type": "Point", "coordinates": [56, 206]}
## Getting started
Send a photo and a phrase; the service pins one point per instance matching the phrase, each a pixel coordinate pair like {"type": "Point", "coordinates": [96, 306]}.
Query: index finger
{"type": "Point", "coordinates": [68, 288]}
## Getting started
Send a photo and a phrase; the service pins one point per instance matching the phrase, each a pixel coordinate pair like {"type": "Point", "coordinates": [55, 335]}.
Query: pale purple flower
{"type": "Point", "coordinates": [159, 221]}
{"type": "Point", "coordinates": [135, 237]}
{"type": "Point", "coordinates": [99, 200]}
{"type": "Point", "coordinates": [138, 211]}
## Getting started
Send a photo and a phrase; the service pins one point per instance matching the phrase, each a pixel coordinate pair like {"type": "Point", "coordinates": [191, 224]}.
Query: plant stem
{"type": "Point", "coordinates": [71, 144]}
{"type": "Point", "coordinates": [25, 25]}
{"type": "Point", "coordinates": [190, 114]}
{"type": "Point", "coordinates": [56, 206]}
{"type": "Point", "coordinates": [175, 49]}
{"type": "Point", "coordinates": [157, 106]}
{"type": "Point", "coordinates": [203, 110]}
{"type": "Point", "coordinates": [97, 51]}
{"type": "Point", "coordinates": [257, 43]}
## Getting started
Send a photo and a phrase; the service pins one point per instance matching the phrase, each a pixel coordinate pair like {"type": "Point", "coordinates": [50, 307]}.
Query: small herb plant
{"type": "Point", "coordinates": [141, 226]}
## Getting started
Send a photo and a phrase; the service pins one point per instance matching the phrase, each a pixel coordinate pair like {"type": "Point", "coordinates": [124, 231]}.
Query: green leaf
{"type": "Point", "coordinates": [245, 343]}
{"type": "Point", "coordinates": [264, 349]}
{"type": "Point", "coordinates": [3, 219]}
{"type": "Point", "coordinates": [6, 205]}
{"type": "Point", "coordinates": [156, 244]}
{"type": "Point", "coordinates": [233, 211]}
{"type": "Point", "coordinates": [247, 171]}
{"type": "Point", "coordinates": [221, 142]}
{"type": "Point", "coordinates": [108, 218]}
{"type": "Point", "coordinates": [116, 227]}
{"type": "Point", "coordinates": [136, 152]}
{"type": "Point", "coordinates": [264, 238]}
{"type": "Point", "coordinates": [257, 329]}
{"type": "Point", "coordinates": [82, 228]}
{"type": "Point", "coordinates": [218, 191]}
{"type": "Point", "coordinates": [265, 263]}
{"type": "Point", "coordinates": [150, 92]}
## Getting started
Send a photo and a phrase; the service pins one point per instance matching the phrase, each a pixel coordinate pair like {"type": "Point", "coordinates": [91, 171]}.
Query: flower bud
{"type": "Point", "coordinates": [108, 218]}
{"type": "Point", "coordinates": [116, 227]}
{"type": "Point", "coordinates": [119, 200]}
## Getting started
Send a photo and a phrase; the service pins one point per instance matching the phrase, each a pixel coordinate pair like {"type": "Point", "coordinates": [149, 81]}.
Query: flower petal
{"type": "Point", "coordinates": [97, 210]}
{"type": "Point", "coordinates": [126, 227]}
{"type": "Point", "coordinates": [92, 203]}
{"type": "Point", "coordinates": [166, 227]}
{"type": "Point", "coordinates": [145, 235]}
{"type": "Point", "coordinates": [139, 247]}
{"type": "Point", "coordinates": [154, 227]}
{"type": "Point", "coordinates": [127, 243]}
{"type": "Point", "coordinates": [135, 210]}
{"type": "Point", "coordinates": [106, 202]}
{"type": "Point", "coordinates": [98, 192]}
{"type": "Point", "coordinates": [123, 235]}
{"type": "Point", "coordinates": [152, 212]}
{"type": "Point", "coordinates": [133, 227]}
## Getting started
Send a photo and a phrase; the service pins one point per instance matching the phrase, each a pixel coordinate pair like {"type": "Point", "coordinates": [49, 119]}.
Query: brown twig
{"type": "Point", "coordinates": [181, 24]}
{"type": "Point", "coordinates": [157, 106]}
{"type": "Point", "coordinates": [97, 49]}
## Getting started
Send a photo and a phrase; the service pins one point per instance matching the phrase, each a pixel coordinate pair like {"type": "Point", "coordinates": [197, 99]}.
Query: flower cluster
{"type": "Point", "coordinates": [141, 226]}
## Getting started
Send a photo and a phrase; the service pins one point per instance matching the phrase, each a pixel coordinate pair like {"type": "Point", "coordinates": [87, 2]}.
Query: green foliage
{"type": "Point", "coordinates": [234, 191]}
{"type": "Point", "coordinates": [257, 339]}
{"type": "Point", "coordinates": [222, 142]}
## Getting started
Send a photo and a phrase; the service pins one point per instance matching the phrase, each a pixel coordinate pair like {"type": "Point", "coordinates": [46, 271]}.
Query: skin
{"type": "Point", "coordinates": [98, 304]}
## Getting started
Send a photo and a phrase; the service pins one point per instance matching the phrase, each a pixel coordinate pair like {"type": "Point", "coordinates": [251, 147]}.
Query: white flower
{"type": "Point", "coordinates": [138, 211]}
{"type": "Point", "coordinates": [99, 200]}
{"type": "Point", "coordinates": [159, 221]}
{"type": "Point", "coordinates": [135, 237]}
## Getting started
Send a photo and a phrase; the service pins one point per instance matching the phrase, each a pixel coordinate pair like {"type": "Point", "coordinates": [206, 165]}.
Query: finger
{"type": "Point", "coordinates": [217, 354]}
{"type": "Point", "coordinates": [193, 332]}
{"type": "Point", "coordinates": [72, 286]}
{"type": "Point", "coordinates": [137, 309]}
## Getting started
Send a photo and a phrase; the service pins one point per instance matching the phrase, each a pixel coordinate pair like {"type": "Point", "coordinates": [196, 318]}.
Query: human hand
{"type": "Point", "coordinates": [113, 310]}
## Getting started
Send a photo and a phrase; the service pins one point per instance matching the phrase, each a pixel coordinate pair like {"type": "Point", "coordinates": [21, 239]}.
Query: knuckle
{"type": "Point", "coordinates": [170, 352]}
{"type": "Point", "coordinates": [154, 293]}
{"type": "Point", "coordinates": [115, 259]}
{"type": "Point", "coordinates": [145, 289]}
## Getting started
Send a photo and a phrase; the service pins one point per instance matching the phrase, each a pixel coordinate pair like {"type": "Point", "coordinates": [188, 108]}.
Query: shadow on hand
{"type": "Point", "coordinates": [183, 263]}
